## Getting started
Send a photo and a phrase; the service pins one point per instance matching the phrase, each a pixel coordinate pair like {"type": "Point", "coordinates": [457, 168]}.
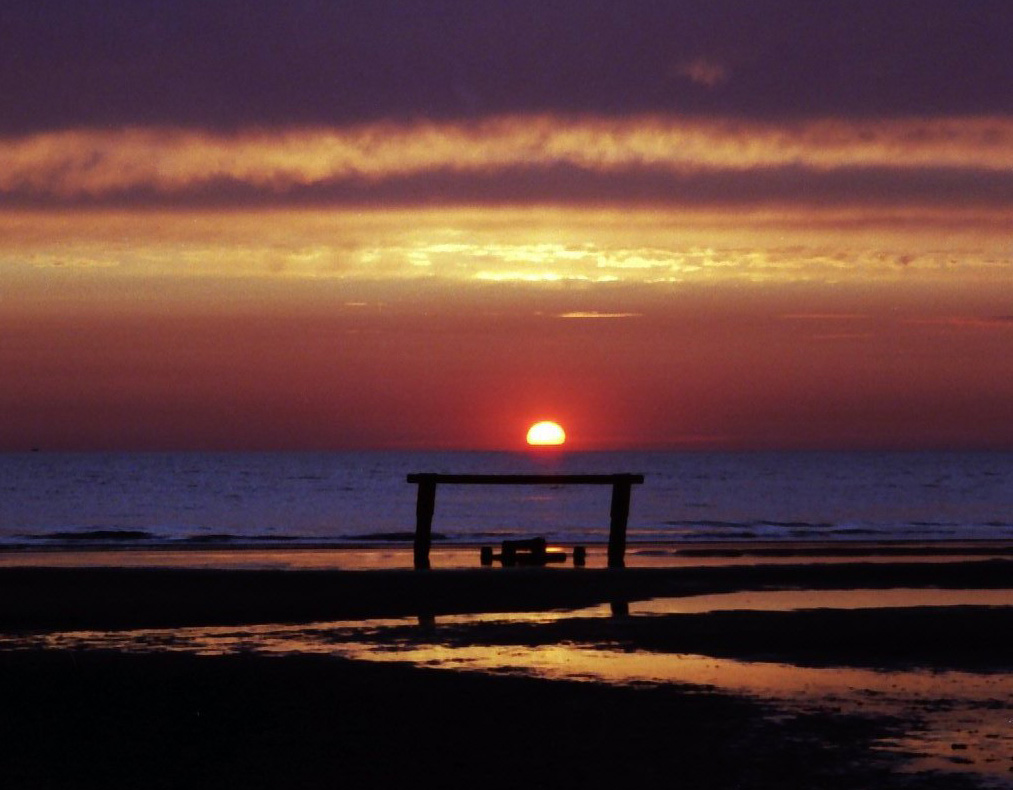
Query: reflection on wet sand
{"type": "Point", "coordinates": [788, 600]}
{"type": "Point", "coordinates": [949, 717]}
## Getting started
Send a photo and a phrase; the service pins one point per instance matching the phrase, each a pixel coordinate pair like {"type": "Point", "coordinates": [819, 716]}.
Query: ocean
{"type": "Point", "coordinates": [78, 500]}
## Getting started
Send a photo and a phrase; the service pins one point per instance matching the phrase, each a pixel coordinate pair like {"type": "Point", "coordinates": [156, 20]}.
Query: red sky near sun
{"type": "Point", "coordinates": [669, 253]}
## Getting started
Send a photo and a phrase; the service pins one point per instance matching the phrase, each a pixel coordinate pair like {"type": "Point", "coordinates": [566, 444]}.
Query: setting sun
{"type": "Point", "coordinates": [546, 433]}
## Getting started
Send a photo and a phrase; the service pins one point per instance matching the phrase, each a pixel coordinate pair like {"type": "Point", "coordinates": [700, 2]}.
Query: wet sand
{"type": "Point", "coordinates": [96, 719]}
{"type": "Point", "coordinates": [87, 717]}
{"type": "Point", "coordinates": [117, 597]}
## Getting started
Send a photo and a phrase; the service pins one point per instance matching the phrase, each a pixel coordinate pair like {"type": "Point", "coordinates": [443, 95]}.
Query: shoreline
{"type": "Point", "coordinates": [398, 555]}
{"type": "Point", "coordinates": [122, 597]}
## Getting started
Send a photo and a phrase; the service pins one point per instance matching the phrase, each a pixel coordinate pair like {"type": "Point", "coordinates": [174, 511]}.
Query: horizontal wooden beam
{"type": "Point", "coordinates": [433, 478]}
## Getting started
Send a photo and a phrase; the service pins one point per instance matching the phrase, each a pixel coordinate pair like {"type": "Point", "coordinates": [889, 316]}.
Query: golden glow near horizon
{"type": "Point", "coordinates": [534, 245]}
{"type": "Point", "coordinates": [546, 434]}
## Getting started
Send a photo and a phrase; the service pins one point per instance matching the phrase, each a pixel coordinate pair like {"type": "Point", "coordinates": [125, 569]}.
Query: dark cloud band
{"type": "Point", "coordinates": [236, 63]}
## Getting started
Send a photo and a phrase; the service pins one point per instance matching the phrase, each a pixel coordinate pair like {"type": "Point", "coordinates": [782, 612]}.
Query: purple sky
{"type": "Point", "coordinates": [329, 224]}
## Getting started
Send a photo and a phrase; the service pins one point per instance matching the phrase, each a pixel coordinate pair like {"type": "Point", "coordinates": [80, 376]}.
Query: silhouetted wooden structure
{"type": "Point", "coordinates": [526, 551]}
{"type": "Point", "coordinates": [425, 504]}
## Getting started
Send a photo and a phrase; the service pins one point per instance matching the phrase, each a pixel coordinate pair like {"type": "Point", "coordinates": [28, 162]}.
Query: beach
{"type": "Point", "coordinates": [114, 720]}
{"type": "Point", "coordinates": [340, 678]}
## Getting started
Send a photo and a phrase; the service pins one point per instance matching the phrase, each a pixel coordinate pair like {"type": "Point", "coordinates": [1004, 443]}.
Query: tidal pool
{"type": "Point", "coordinates": [951, 718]}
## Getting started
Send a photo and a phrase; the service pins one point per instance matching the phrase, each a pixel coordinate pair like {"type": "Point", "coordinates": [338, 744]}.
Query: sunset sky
{"type": "Point", "coordinates": [724, 224]}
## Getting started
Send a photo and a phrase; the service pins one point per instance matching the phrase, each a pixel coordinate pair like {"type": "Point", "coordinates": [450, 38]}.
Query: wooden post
{"type": "Point", "coordinates": [425, 505]}
{"type": "Point", "coordinates": [619, 515]}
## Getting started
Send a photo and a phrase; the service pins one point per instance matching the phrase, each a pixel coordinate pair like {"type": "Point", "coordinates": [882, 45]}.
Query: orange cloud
{"type": "Point", "coordinates": [999, 322]}
{"type": "Point", "coordinates": [824, 316]}
{"type": "Point", "coordinates": [554, 248]}
{"type": "Point", "coordinates": [594, 314]}
{"type": "Point", "coordinates": [95, 163]}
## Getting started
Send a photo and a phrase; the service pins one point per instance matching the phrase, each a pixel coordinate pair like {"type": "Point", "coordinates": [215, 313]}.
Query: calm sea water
{"type": "Point", "coordinates": [156, 499]}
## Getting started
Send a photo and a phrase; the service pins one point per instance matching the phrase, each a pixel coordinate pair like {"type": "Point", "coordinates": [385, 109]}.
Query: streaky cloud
{"type": "Point", "coordinates": [525, 246]}
{"type": "Point", "coordinates": [523, 158]}
{"type": "Point", "coordinates": [594, 315]}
